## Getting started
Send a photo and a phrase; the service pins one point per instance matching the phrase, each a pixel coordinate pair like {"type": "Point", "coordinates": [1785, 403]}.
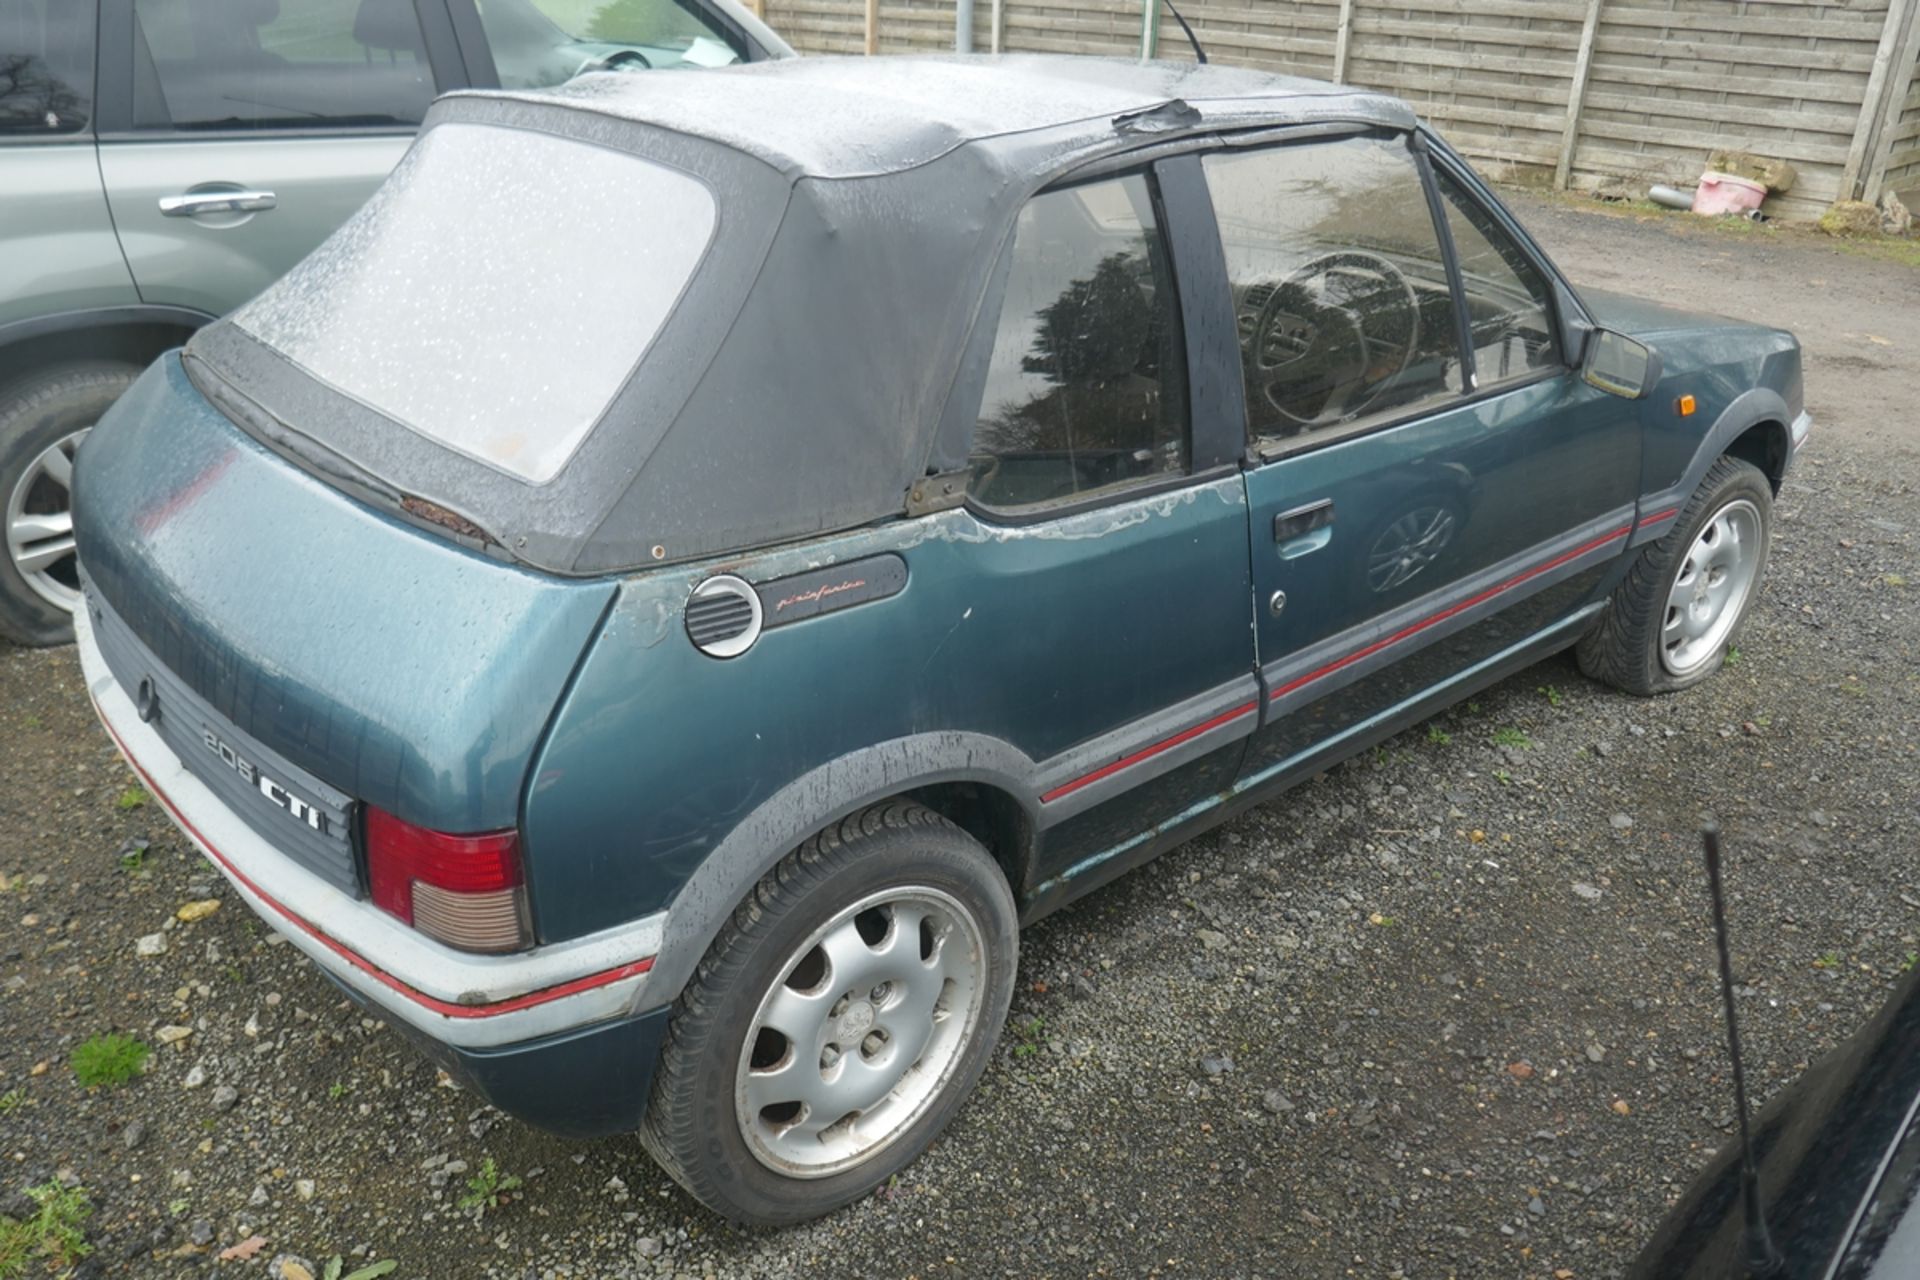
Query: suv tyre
{"type": "Point", "coordinates": [43, 418]}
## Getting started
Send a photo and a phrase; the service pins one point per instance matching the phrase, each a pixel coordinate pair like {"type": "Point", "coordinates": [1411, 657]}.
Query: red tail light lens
{"type": "Point", "coordinates": [467, 891]}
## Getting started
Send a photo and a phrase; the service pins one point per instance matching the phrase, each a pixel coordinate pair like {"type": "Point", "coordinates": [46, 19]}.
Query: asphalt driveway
{"type": "Point", "coordinates": [1446, 1011]}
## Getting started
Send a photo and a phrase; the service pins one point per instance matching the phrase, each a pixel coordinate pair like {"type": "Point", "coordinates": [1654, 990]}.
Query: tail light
{"type": "Point", "coordinates": [467, 891]}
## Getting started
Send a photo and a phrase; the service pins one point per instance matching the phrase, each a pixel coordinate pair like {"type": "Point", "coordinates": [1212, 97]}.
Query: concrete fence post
{"type": "Point", "coordinates": [1576, 95]}
{"type": "Point", "coordinates": [1343, 36]}
{"type": "Point", "coordinates": [873, 27]}
{"type": "Point", "coordinates": [1876, 103]}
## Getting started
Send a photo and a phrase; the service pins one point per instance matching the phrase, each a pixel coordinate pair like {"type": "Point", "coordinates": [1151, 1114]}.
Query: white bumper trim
{"type": "Point", "coordinates": [471, 1001]}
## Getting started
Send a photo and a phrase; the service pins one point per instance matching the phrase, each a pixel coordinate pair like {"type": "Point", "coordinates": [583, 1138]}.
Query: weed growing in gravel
{"type": "Point", "coordinates": [134, 858]}
{"type": "Point", "coordinates": [1552, 695]}
{"type": "Point", "coordinates": [1829, 960]}
{"type": "Point", "coordinates": [338, 1090]}
{"type": "Point", "coordinates": [131, 798]}
{"type": "Point", "coordinates": [1733, 655]}
{"type": "Point", "coordinates": [1911, 957]}
{"type": "Point", "coordinates": [1511, 738]}
{"type": "Point", "coordinates": [31, 721]}
{"type": "Point", "coordinates": [11, 1101]}
{"type": "Point", "coordinates": [55, 1235]}
{"type": "Point", "coordinates": [108, 1060]}
{"type": "Point", "coordinates": [1437, 735]}
{"type": "Point", "coordinates": [485, 1188]}
{"type": "Point", "coordinates": [1027, 1037]}
{"type": "Point", "coordinates": [1502, 777]}
{"type": "Point", "coordinates": [372, 1271]}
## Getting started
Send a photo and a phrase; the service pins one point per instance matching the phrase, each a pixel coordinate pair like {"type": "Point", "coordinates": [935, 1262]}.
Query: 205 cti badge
{"type": "Point", "coordinates": [782, 529]}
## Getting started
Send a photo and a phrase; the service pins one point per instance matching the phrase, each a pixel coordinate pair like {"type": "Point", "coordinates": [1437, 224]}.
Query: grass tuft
{"type": "Point", "coordinates": [108, 1060]}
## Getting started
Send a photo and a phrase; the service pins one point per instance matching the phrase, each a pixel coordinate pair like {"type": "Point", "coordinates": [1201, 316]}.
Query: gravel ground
{"type": "Point", "coordinates": [1448, 1010]}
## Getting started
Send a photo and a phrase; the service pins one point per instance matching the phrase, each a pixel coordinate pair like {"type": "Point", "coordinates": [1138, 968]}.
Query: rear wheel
{"type": "Point", "coordinates": [838, 1021]}
{"type": "Point", "coordinates": [42, 422]}
{"type": "Point", "coordinates": [1670, 623]}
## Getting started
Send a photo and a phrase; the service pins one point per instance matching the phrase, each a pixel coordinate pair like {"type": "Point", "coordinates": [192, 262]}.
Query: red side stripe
{"type": "Point", "coordinates": [446, 1007]}
{"type": "Point", "coordinates": [1416, 628]}
{"type": "Point", "coordinates": [1658, 516]}
{"type": "Point", "coordinates": [1147, 753]}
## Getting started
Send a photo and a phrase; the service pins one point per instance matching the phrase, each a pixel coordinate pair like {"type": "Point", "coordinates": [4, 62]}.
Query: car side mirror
{"type": "Point", "coordinates": [1619, 365]}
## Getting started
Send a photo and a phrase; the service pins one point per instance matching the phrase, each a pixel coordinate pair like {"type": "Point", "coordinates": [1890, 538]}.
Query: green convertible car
{"type": "Point", "coordinates": [656, 601]}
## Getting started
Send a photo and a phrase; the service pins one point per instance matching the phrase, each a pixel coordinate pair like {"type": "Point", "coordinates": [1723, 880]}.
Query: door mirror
{"type": "Point", "coordinates": [1620, 366]}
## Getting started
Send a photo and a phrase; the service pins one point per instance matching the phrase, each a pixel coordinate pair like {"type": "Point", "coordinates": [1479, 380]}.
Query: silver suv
{"type": "Point", "coordinates": [163, 160]}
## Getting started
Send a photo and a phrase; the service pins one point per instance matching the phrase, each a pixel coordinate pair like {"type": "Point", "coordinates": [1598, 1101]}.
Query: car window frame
{"type": "Point", "coordinates": [114, 71]}
{"type": "Point", "coordinates": [476, 51]}
{"type": "Point", "coordinates": [1214, 403]}
{"type": "Point", "coordinates": [1257, 451]}
{"type": "Point", "coordinates": [1430, 155]}
{"type": "Point", "coordinates": [91, 131]}
{"type": "Point", "coordinates": [1473, 196]}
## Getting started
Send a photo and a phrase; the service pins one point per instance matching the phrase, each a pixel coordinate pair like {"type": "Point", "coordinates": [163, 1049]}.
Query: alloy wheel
{"type": "Point", "coordinates": [1710, 591]}
{"type": "Point", "coordinates": [40, 525]}
{"type": "Point", "coordinates": [861, 1032]}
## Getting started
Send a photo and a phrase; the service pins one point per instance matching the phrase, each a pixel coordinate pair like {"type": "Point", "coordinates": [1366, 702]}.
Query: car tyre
{"type": "Point", "coordinates": [1684, 602]}
{"type": "Point", "coordinates": [42, 420]}
{"type": "Point", "coordinates": [886, 946]}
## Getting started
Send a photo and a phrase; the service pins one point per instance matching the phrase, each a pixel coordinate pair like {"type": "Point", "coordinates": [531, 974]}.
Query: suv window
{"type": "Point", "coordinates": [1507, 298]}
{"type": "Point", "coordinates": [537, 43]}
{"type": "Point", "coordinates": [1345, 313]}
{"type": "Point", "coordinates": [46, 67]}
{"type": "Point", "coordinates": [1086, 391]}
{"type": "Point", "coordinates": [275, 64]}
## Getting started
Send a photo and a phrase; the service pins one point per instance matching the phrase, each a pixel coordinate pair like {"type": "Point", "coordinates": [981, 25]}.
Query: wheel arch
{"type": "Point", "coordinates": [975, 781]}
{"type": "Point", "coordinates": [1766, 445]}
{"type": "Point", "coordinates": [130, 335]}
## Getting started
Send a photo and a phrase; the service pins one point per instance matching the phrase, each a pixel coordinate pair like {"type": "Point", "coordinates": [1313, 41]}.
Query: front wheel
{"type": "Point", "coordinates": [1669, 625]}
{"type": "Point", "coordinates": [839, 1020]}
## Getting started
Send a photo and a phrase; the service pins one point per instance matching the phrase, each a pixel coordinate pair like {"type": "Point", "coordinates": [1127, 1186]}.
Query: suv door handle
{"type": "Point", "coordinates": [196, 202]}
{"type": "Point", "coordinates": [1304, 529]}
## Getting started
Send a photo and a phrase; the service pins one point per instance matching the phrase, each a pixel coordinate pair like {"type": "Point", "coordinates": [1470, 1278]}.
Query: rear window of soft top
{"type": "Point", "coordinates": [495, 293]}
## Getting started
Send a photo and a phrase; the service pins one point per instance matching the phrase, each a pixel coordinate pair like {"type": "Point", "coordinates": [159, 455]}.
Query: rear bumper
{"type": "Point", "coordinates": [483, 1009]}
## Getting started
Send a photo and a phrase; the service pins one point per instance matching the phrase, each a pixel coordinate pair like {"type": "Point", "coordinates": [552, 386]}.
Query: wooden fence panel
{"type": "Point", "coordinates": [1492, 75]}
{"type": "Point", "coordinates": [1666, 81]}
{"type": "Point", "coordinates": [1903, 163]}
{"type": "Point", "coordinates": [1293, 39]}
{"type": "Point", "coordinates": [1673, 79]}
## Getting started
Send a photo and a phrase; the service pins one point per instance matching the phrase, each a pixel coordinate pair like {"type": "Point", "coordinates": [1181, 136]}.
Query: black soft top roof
{"type": "Point", "coordinates": [824, 357]}
{"type": "Point", "coordinates": [851, 117]}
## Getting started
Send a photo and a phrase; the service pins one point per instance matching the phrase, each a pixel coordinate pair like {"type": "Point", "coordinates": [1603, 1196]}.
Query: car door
{"type": "Point", "coordinates": [1105, 478]}
{"type": "Point", "coordinates": [243, 132]}
{"type": "Point", "coordinates": [1433, 491]}
{"type": "Point", "coordinates": [57, 251]}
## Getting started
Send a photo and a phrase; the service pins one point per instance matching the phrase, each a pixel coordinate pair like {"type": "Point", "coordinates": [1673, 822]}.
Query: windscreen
{"type": "Point", "coordinates": [496, 291]}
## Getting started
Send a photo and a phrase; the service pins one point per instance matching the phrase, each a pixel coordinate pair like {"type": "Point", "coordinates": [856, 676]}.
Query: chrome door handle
{"type": "Point", "coordinates": [197, 202]}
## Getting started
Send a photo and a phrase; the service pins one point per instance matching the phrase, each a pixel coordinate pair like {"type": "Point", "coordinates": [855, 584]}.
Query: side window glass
{"type": "Point", "coordinates": [46, 67]}
{"type": "Point", "coordinates": [1086, 391]}
{"type": "Point", "coordinates": [536, 43]}
{"type": "Point", "coordinates": [1507, 299]}
{"type": "Point", "coordinates": [278, 64]}
{"type": "Point", "coordinates": [1346, 317]}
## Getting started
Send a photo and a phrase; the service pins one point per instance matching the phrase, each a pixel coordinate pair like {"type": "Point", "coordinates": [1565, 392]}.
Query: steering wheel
{"type": "Point", "coordinates": [621, 60]}
{"type": "Point", "coordinates": [1332, 335]}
